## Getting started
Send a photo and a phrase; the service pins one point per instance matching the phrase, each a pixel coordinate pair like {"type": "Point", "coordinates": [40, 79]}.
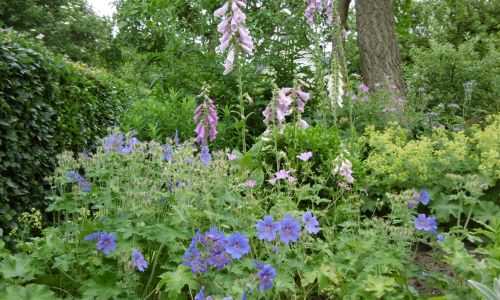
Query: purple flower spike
{"type": "Point", "coordinates": [107, 243]}
{"type": "Point", "coordinates": [138, 261]}
{"type": "Point", "coordinates": [233, 31]}
{"type": "Point", "coordinates": [422, 222]}
{"type": "Point", "coordinates": [206, 116]}
{"type": "Point", "coordinates": [267, 229]}
{"type": "Point", "coordinates": [311, 223]}
{"type": "Point", "coordinates": [281, 106]}
{"type": "Point", "coordinates": [237, 245]}
{"type": "Point", "coordinates": [289, 229]}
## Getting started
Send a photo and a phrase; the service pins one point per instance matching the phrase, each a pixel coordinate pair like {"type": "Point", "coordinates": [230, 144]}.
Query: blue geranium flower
{"type": "Point", "coordinates": [289, 229]}
{"type": "Point", "coordinates": [82, 183]}
{"type": "Point", "coordinates": [138, 261]}
{"type": "Point", "coordinates": [267, 228]}
{"type": "Point", "coordinates": [237, 245]}
{"type": "Point", "coordinates": [266, 274]}
{"type": "Point", "coordinates": [200, 295]}
{"type": "Point", "coordinates": [107, 243]}
{"type": "Point", "coordinates": [422, 222]}
{"type": "Point", "coordinates": [423, 197]}
{"type": "Point", "coordinates": [93, 237]}
{"type": "Point", "coordinates": [205, 156]}
{"type": "Point", "coordinates": [310, 222]}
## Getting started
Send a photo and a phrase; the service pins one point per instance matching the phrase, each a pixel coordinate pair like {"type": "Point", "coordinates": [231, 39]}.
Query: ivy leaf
{"type": "Point", "coordinates": [29, 292]}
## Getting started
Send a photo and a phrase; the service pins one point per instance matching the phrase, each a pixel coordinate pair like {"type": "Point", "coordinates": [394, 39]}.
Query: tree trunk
{"type": "Point", "coordinates": [377, 42]}
{"type": "Point", "coordinates": [343, 9]}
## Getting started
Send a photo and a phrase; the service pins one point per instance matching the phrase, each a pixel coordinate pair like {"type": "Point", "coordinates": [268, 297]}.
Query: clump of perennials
{"type": "Point", "coordinates": [214, 250]}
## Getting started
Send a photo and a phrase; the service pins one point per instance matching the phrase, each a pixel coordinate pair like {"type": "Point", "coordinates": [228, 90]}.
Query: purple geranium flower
{"type": "Point", "coordinates": [83, 184]}
{"type": "Point", "coordinates": [200, 295]}
{"type": "Point", "coordinates": [266, 273]}
{"type": "Point", "coordinates": [423, 197]}
{"type": "Point", "coordinates": [440, 238]}
{"type": "Point", "coordinates": [289, 229]}
{"type": "Point", "coordinates": [192, 258]}
{"type": "Point", "coordinates": [205, 156]}
{"type": "Point", "coordinates": [107, 243]}
{"type": "Point", "coordinates": [305, 156]}
{"type": "Point", "coordinates": [282, 174]}
{"type": "Point", "coordinates": [267, 228]}
{"type": "Point", "coordinates": [93, 237]}
{"type": "Point", "coordinates": [237, 245]}
{"type": "Point", "coordinates": [422, 222]}
{"type": "Point", "coordinates": [138, 261]}
{"type": "Point", "coordinates": [167, 153]}
{"type": "Point", "coordinates": [364, 88]}
{"type": "Point", "coordinates": [310, 222]}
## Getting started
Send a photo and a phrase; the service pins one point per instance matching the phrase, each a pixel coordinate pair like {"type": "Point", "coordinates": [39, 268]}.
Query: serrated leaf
{"type": "Point", "coordinates": [174, 282]}
{"type": "Point", "coordinates": [18, 265]}
{"type": "Point", "coordinates": [29, 292]}
{"type": "Point", "coordinates": [379, 285]}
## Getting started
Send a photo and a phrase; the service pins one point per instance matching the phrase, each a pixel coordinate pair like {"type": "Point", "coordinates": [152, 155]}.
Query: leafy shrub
{"type": "Point", "coordinates": [448, 74]}
{"type": "Point", "coordinates": [46, 105]}
{"type": "Point", "coordinates": [460, 167]}
{"type": "Point", "coordinates": [161, 115]}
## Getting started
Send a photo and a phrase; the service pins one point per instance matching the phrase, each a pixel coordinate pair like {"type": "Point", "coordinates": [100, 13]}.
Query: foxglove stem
{"type": "Point", "coordinates": [242, 109]}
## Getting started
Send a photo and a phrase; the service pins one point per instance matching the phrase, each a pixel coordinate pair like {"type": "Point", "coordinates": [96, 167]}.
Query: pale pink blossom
{"type": "Point", "coordinates": [305, 156]}
{"type": "Point", "coordinates": [250, 183]}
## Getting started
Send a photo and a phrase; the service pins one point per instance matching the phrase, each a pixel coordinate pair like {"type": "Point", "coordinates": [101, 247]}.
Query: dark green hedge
{"type": "Point", "coordinates": [46, 105]}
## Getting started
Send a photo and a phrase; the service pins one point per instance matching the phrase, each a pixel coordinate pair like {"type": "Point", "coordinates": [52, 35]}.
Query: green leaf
{"type": "Point", "coordinates": [379, 285]}
{"type": "Point", "coordinates": [484, 290]}
{"type": "Point", "coordinates": [19, 265]}
{"type": "Point", "coordinates": [174, 282]}
{"type": "Point", "coordinates": [29, 292]}
{"type": "Point", "coordinates": [258, 176]}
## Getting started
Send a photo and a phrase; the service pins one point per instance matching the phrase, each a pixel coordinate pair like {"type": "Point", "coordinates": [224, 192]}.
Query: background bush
{"type": "Point", "coordinates": [160, 115]}
{"type": "Point", "coordinates": [46, 105]}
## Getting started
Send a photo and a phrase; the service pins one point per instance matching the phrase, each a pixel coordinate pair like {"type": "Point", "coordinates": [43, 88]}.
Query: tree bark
{"type": "Point", "coordinates": [343, 9]}
{"type": "Point", "coordinates": [377, 43]}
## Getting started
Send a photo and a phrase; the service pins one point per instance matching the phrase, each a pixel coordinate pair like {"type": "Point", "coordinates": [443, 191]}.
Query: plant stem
{"type": "Point", "coordinates": [242, 108]}
{"type": "Point", "coordinates": [153, 269]}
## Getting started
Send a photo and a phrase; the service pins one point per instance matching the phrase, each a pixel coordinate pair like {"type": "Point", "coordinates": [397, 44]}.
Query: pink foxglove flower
{"type": "Point", "coordinates": [206, 117]}
{"type": "Point", "coordinates": [280, 107]}
{"type": "Point", "coordinates": [344, 169]}
{"type": "Point", "coordinates": [302, 124]}
{"type": "Point", "coordinates": [233, 31]}
{"type": "Point", "coordinates": [314, 6]}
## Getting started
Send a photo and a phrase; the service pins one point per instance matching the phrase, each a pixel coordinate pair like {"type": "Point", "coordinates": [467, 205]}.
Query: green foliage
{"type": "Point", "coordinates": [460, 169]}
{"type": "Point", "coordinates": [443, 71]}
{"type": "Point", "coordinates": [47, 105]}
{"type": "Point", "coordinates": [68, 27]}
{"type": "Point", "coordinates": [159, 116]}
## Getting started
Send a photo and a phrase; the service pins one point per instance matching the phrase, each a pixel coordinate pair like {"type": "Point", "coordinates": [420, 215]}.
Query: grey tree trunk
{"type": "Point", "coordinates": [377, 41]}
{"type": "Point", "coordinates": [343, 9]}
